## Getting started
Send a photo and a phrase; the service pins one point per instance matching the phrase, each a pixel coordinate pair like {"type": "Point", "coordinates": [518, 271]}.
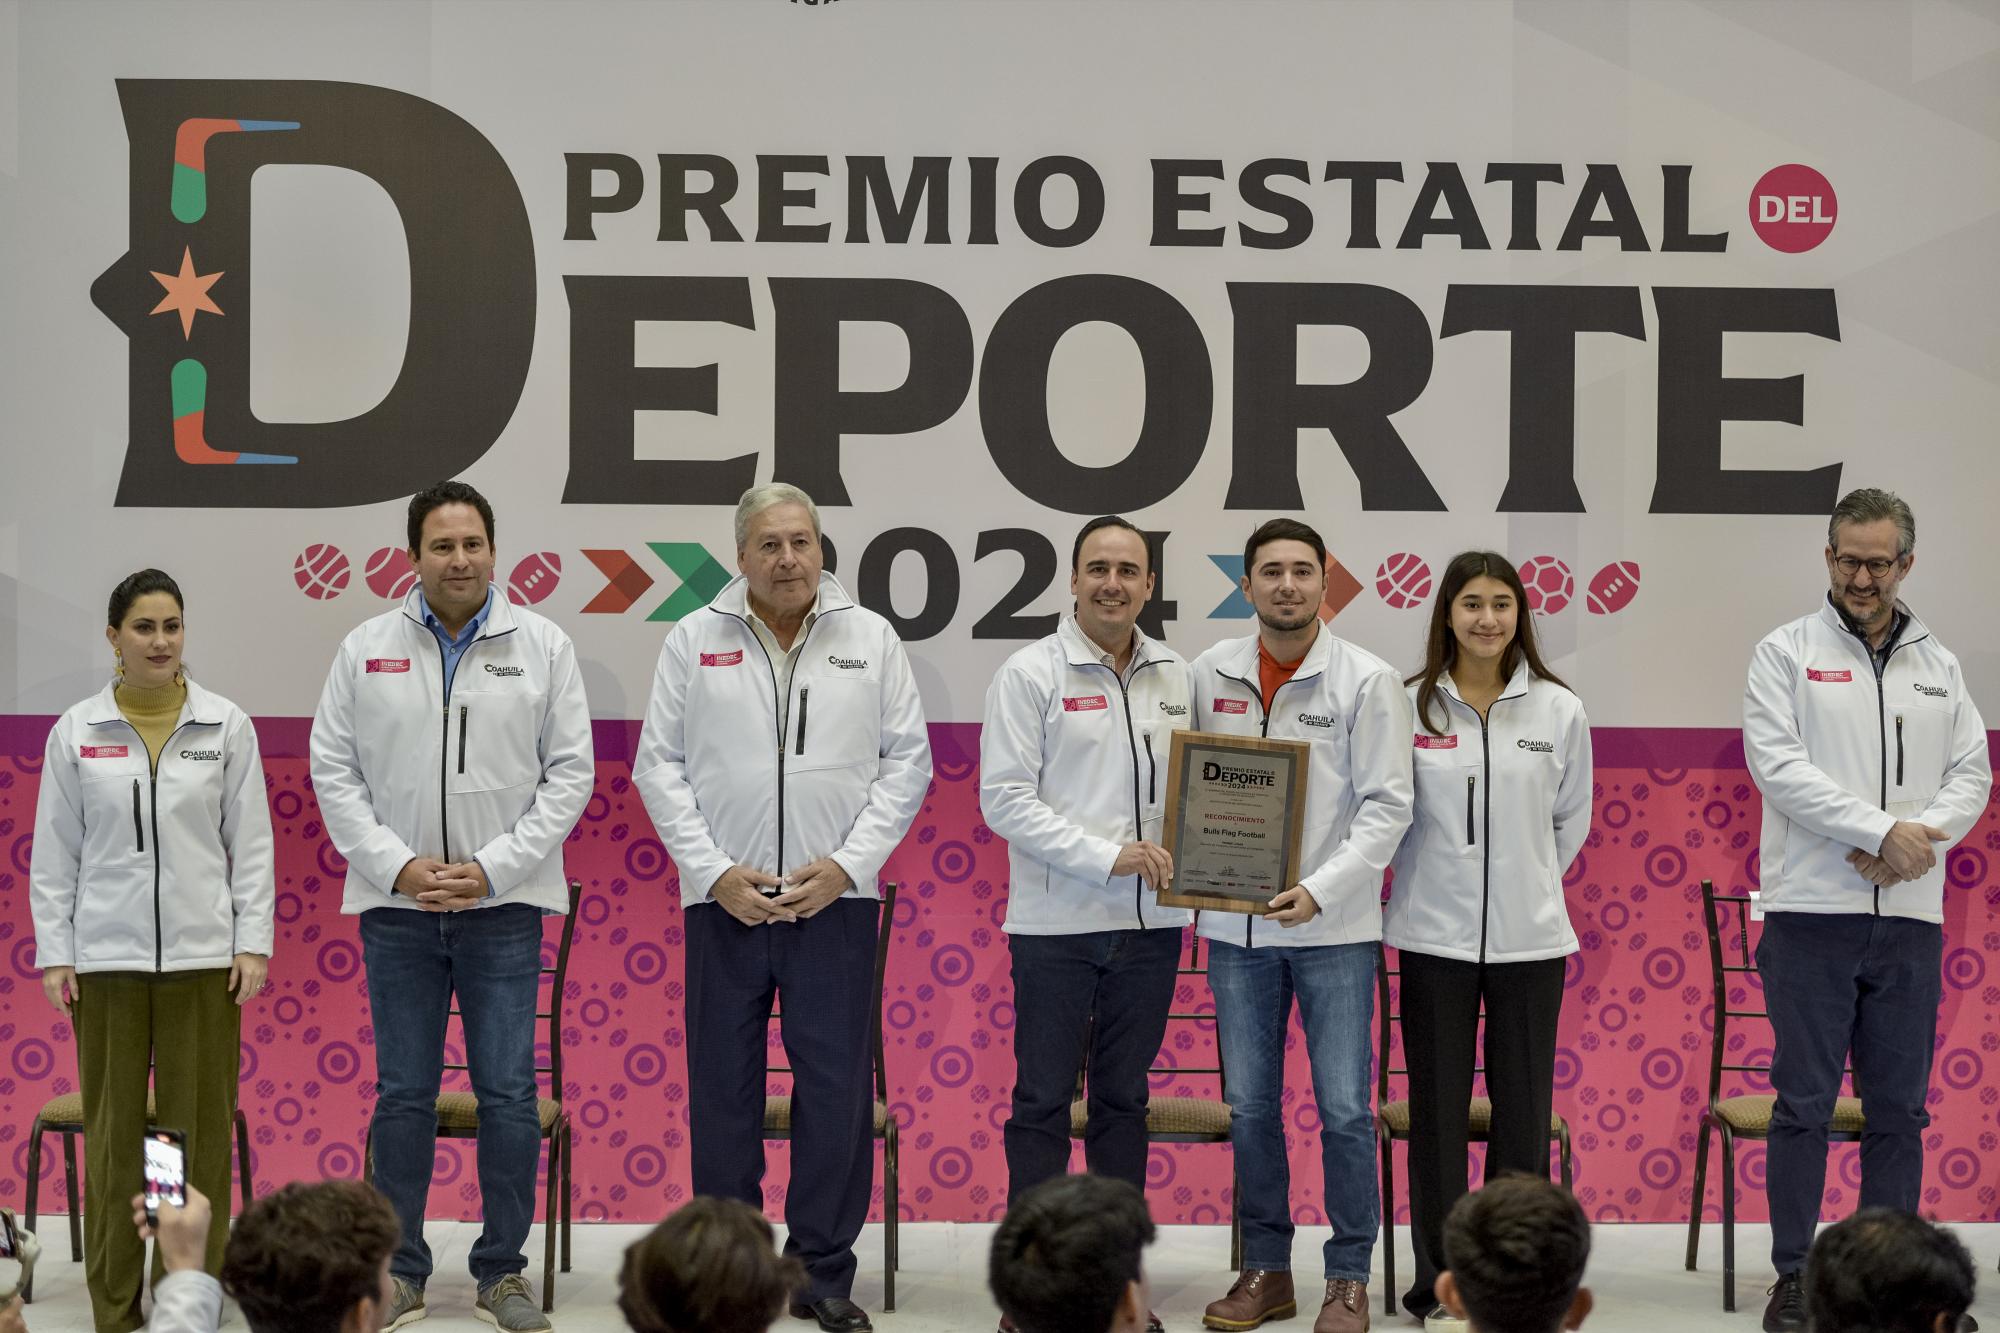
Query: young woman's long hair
{"type": "Point", "coordinates": [1441, 649]}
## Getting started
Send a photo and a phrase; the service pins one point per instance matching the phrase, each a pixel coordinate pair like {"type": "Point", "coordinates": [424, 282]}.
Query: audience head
{"type": "Point", "coordinates": [709, 1268]}
{"type": "Point", "coordinates": [1515, 1253]}
{"type": "Point", "coordinates": [1067, 1257]}
{"type": "Point", "coordinates": [1884, 1271]}
{"type": "Point", "coordinates": [313, 1258]}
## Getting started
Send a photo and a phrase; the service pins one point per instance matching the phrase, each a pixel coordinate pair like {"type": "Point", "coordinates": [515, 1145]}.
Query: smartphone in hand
{"type": "Point", "coordinates": [166, 1171]}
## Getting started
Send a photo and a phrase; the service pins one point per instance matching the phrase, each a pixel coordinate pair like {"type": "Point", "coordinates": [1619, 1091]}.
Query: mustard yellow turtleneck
{"type": "Point", "coordinates": [153, 713]}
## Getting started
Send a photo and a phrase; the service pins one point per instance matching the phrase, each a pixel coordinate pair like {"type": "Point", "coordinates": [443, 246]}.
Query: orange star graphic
{"type": "Point", "coordinates": [187, 292]}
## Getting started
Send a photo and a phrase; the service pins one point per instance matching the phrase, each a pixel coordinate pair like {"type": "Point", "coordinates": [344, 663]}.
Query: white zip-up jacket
{"type": "Point", "coordinates": [1841, 756]}
{"type": "Point", "coordinates": [1502, 808]}
{"type": "Point", "coordinates": [138, 871]}
{"type": "Point", "coordinates": [1073, 765]}
{"type": "Point", "coordinates": [726, 785]}
{"type": "Point", "coordinates": [1351, 705]}
{"type": "Point", "coordinates": [498, 772]}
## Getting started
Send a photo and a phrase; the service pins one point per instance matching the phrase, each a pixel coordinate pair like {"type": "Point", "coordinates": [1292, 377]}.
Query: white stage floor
{"type": "Point", "coordinates": [1635, 1271]}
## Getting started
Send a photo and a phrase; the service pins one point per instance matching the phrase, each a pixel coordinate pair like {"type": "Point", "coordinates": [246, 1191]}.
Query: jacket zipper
{"type": "Point", "coordinates": [777, 720]}
{"type": "Point", "coordinates": [1899, 749]}
{"type": "Point", "coordinates": [153, 795]}
{"type": "Point", "coordinates": [1152, 773]}
{"type": "Point", "coordinates": [1264, 730]}
{"type": "Point", "coordinates": [138, 829]}
{"type": "Point", "coordinates": [1485, 852]}
{"type": "Point", "coordinates": [1881, 670]}
{"type": "Point", "coordinates": [464, 716]}
{"type": "Point", "coordinates": [1470, 783]}
{"type": "Point", "coordinates": [799, 743]}
{"type": "Point", "coordinates": [1138, 819]}
{"type": "Point", "coordinates": [445, 677]}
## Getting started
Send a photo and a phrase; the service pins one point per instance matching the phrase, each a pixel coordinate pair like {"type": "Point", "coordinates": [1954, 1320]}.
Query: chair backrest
{"type": "Point", "coordinates": [884, 926]}
{"type": "Point", "coordinates": [1388, 1022]}
{"type": "Point", "coordinates": [1731, 954]}
{"type": "Point", "coordinates": [558, 975]}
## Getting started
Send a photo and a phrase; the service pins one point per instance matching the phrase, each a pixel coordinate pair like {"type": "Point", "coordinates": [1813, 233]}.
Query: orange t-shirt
{"type": "Point", "coordinates": [1271, 673]}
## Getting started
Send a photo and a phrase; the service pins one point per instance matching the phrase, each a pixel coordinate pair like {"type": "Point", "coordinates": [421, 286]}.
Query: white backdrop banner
{"type": "Point", "coordinates": [1629, 291]}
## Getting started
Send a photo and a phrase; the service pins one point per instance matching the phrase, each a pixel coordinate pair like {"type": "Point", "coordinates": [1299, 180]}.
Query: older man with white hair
{"type": "Point", "coordinates": [783, 757]}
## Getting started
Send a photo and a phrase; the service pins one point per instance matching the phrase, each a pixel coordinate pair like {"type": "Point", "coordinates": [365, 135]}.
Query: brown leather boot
{"type": "Point", "coordinates": [1259, 1294]}
{"type": "Point", "coordinates": [1345, 1309]}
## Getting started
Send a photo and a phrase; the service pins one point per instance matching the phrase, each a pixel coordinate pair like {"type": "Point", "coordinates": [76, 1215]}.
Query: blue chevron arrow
{"type": "Point", "coordinates": [1235, 606]}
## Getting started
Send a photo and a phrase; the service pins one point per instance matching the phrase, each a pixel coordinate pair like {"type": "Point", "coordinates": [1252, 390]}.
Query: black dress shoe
{"type": "Point", "coordinates": [836, 1314]}
{"type": "Point", "coordinates": [1967, 1324]}
{"type": "Point", "coordinates": [1786, 1312]}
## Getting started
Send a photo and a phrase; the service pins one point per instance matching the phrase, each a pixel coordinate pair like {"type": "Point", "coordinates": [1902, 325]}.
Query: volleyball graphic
{"type": "Point", "coordinates": [534, 578]}
{"type": "Point", "coordinates": [1548, 583]}
{"type": "Point", "coordinates": [1613, 587]}
{"type": "Point", "coordinates": [390, 573]}
{"type": "Point", "coordinates": [320, 571]}
{"type": "Point", "coordinates": [1403, 580]}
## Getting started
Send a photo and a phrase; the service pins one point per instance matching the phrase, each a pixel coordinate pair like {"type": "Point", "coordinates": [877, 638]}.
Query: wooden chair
{"type": "Point", "coordinates": [1747, 1116]}
{"type": "Point", "coordinates": [778, 1109]}
{"type": "Point", "coordinates": [64, 1115]}
{"type": "Point", "coordinates": [1182, 1119]}
{"type": "Point", "coordinates": [458, 1112]}
{"type": "Point", "coordinates": [1392, 1121]}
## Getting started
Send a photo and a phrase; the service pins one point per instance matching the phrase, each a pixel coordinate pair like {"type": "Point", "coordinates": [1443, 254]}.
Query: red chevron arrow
{"type": "Point", "coordinates": [625, 583]}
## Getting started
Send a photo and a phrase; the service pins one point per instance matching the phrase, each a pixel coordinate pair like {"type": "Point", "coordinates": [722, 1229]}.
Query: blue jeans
{"type": "Point", "coordinates": [491, 957]}
{"type": "Point", "coordinates": [1832, 982]}
{"type": "Point", "coordinates": [1103, 994]}
{"type": "Point", "coordinates": [1335, 986]}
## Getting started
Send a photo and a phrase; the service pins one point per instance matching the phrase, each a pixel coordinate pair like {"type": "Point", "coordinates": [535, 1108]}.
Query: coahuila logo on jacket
{"type": "Point", "coordinates": [722, 659]}
{"type": "Point", "coordinates": [1173, 710]}
{"type": "Point", "coordinates": [1539, 747]}
{"type": "Point", "coordinates": [1316, 719]}
{"type": "Point", "coordinates": [1933, 691]}
{"type": "Point", "coordinates": [848, 663]}
{"type": "Point", "coordinates": [210, 756]}
{"type": "Point", "coordinates": [493, 670]}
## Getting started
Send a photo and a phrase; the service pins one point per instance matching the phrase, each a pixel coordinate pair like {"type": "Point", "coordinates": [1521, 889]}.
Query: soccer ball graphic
{"type": "Point", "coordinates": [1548, 583]}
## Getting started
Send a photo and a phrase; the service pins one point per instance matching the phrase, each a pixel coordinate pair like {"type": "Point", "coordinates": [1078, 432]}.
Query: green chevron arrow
{"type": "Point", "coordinates": [701, 578]}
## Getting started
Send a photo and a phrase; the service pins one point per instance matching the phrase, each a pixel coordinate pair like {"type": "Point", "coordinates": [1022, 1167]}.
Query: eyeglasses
{"type": "Point", "coordinates": [1877, 569]}
{"type": "Point", "coordinates": [18, 1250]}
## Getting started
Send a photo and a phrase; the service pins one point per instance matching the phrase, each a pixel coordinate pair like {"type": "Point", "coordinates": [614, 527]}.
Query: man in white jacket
{"type": "Point", "coordinates": [783, 757]}
{"type": "Point", "coordinates": [1073, 760]}
{"type": "Point", "coordinates": [451, 755]}
{"type": "Point", "coordinates": [1318, 941]}
{"type": "Point", "coordinates": [1871, 760]}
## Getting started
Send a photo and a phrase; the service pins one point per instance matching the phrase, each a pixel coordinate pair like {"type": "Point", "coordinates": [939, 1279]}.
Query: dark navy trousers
{"type": "Point", "coordinates": [822, 972]}
{"type": "Point", "coordinates": [1835, 983]}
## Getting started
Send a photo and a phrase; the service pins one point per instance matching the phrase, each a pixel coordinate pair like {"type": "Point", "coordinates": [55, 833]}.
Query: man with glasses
{"type": "Point", "coordinates": [1871, 760]}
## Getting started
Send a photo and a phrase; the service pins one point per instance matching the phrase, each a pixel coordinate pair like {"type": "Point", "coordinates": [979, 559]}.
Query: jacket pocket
{"type": "Point", "coordinates": [1450, 800]}
{"type": "Point", "coordinates": [497, 744]}
{"type": "Point", "coordinates": [838, 727]}
{"type": "Point", "coordinates": [1918, 737]}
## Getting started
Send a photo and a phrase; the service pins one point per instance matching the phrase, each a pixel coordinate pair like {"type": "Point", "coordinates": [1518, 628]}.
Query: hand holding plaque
{"type": "Point", "coordinates": [1235, 817]}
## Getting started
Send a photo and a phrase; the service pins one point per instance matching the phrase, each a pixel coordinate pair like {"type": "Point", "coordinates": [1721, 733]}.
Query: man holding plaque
{"type": "Point", "coordinates": [1316, 938]}
{"type": "Point", "coordinates": [1073, 763]}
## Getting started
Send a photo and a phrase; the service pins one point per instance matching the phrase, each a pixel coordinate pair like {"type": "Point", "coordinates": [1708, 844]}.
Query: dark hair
{"type": "Point", "coordinates": [1441, 647]}
{"type": "Point", "coordinates": [1065, 1252]}
{"type": "Point", "coordinates": [1516, 1250]}
{"type": "Point", "coordinates": [711, 1267]}
{"type": "Point", "coordinates": [440, 495]}
{"type": "Point", "coordinates": [300, 1259]}
{"type": "Point", "coordinates": [1281, 530]}
{"type": "Point", "coordinates": [1884, 1271]}
{"type": "Point", "coordinates": [1108, 521]}
{"type": "Point", "coordinates": [1870, 505]}
{"type": "Point", "coordinates": [134, 586]}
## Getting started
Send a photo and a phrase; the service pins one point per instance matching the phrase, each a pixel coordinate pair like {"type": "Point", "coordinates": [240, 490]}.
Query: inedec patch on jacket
{"type": "Point", "coordinates": [1829, 677]}
{"type": "Point", "coordinates": [100, 751]}
{"type": "Point", "coordinates": [1232, 705]}
{"type": "Point", "coordinates": [1436, 742]}
{"type": "Point", "coordinates": [722, 659]}
{"type": "Point", "coordinates": [389, 664]}
{"type": "Point", "coordinates": [1088, 703]}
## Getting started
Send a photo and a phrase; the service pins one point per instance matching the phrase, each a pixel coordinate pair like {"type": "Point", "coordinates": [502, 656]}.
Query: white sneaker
{"type": "Point", "coordinates": [1441, 1320]}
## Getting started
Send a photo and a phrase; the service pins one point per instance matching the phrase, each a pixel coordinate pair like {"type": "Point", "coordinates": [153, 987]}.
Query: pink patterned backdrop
{"type": "Point", "coordinates": [1671, 807]}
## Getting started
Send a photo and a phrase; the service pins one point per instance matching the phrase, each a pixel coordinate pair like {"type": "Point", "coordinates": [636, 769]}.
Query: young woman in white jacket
{"type": "Point", "coordinates": [152, 893]}
{"type": "Point", "coordinates": [1503, 785]}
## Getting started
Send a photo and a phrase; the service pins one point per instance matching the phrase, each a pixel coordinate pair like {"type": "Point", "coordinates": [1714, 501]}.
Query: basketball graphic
{"type": "Point", "coordinates": [534, 578]}
{"type": "Point", "coordinates": [1403, 580]}
{"type": "Point", "coordinates": [1613, 587]}
{"type": "Point", "coordinates": [320, 571]}
{"type": "Point", "coordinates": [390, 573]}
{"type": "Point", "coordinates": [1548, 583]}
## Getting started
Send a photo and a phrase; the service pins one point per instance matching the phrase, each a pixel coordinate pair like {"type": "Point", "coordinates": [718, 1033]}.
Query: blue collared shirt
{"type": "Point", "coordinates": [455, 648]}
